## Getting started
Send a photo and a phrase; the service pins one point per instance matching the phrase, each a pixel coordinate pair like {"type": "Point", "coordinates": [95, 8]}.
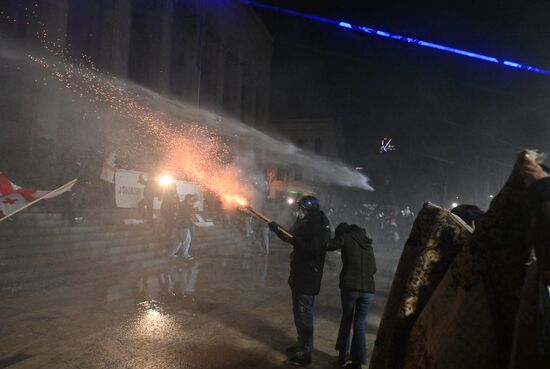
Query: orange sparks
{"type": "Point", "coordinates": [192, 152]}
{"type": "Point", "coordinates": [235, 199]}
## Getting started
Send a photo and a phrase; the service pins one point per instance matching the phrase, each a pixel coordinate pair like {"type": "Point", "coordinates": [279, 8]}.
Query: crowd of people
{"type": "Point", "coordinates": [388, 225]}
{"type": "Point", "coordinates": [350, 231]}
{"type": "Point", "coordinates": [310, 237]}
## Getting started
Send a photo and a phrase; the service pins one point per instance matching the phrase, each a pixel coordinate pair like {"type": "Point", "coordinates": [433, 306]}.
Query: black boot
{"type": "Point", "coordinates": [353, 365]}
{"type": "Point", "coordinates": [300, 359]}
{"type": "Point", "coordinates": [291, 351]}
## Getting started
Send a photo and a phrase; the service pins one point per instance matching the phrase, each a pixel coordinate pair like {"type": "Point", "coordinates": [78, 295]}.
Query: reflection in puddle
{"type": "Point", "coordinates": [151, 321]}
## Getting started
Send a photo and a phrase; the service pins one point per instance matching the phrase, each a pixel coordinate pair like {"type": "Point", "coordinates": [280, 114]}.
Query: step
{"type": "Point", "coordinates": [80, 255]}
{"type": "Point", "coordinates": [105, 264]}
{"type": "Point", "coordinates": [63, 235]}
{"type": "Point", "coordinates": [72, 236]}
{"type": "Point", "coordinates": [70, 256]}
{"type": "Point", "coordinates": [11, 228]}
{"type": "Point", "coordinates": [37, 244]}
{"type": "Point", "coordinates": [74, 269]}
{"type": "Point", "coordinates": [84, 277]}
{"type": "Point", "coordinates": [61, 229]}
{"type": "Point", "coordinates": [99, 265]}
{"type": "Point", "coordinates": [61, 248]}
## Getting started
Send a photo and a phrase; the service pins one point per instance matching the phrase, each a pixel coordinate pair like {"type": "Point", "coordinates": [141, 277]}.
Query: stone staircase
{"type": "Point", "coordinates": [40, 250]}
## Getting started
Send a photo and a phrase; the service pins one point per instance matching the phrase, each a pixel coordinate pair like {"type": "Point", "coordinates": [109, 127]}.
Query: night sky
{"type": "Point", "coordinates": [452, 117]}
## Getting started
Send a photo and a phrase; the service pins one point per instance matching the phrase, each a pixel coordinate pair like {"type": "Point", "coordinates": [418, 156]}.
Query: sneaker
{"type": "Point", "coordinates": [342, 359]}
{"type": "Point", "coordinates": [353, 366]}
{"type": "Point", "coordinates": [300, 359]}
{"type": "Point", "coordinates": [188, 257]}
{"type": "Point", "coordinates": [342, 362]}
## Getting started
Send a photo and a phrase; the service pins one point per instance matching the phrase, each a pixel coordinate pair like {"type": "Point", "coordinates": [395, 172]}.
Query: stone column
{"type": "Point", "coordinates": [192, 62]}
{"type": "Point", "coordinates": [49, 16]}
{"type": "Point", "coordinates": [220, 75]}
{"type": "Point", "coordinates": [45, 97]}
{"type": "Point", "coordinates": [120, 40]}
{"type": "Point", "coordinates": [253, 100]}
{"type": "Point", "coordinates": [165, 46]}
{"type": "Point", "coordinates": [264, 81]}
{"type": "Point", "coordinates": [239, 82]}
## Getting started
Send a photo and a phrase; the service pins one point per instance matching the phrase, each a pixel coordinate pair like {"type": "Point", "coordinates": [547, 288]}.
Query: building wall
{"type": "Point", "coordinates": [213, 54]}
{"type": "Point", "coordinates": [320, 136]}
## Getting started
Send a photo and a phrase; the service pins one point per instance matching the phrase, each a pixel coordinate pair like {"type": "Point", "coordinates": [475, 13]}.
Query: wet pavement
{"type": "Point", "coordinates": [228, 308]}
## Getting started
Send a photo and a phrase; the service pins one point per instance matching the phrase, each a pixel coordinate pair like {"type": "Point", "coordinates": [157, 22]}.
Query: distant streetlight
{"type": "Point", "coordinates": [454, 205]}
{"type": "Point", "coordinates": [290, 201]}
{"type": "Point", "coordinates": [491, 196]}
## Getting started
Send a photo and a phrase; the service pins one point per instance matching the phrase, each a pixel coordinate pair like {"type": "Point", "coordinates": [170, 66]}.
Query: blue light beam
{"type": "Point", "coordinates": [380, 33]}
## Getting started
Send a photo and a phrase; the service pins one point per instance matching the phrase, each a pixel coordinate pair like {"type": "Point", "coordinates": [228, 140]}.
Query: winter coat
{"type": "Point", "coordinates": [359, 265]}
{"type": "Point", "coordinates": [532, 339]}
{"type": "Point", "coordinates": [169, 205]}
{"type": "Point", "coordinates": [539, 196]}
{"type": "Point", "coordinates": [184, 218]}
{"type": "Point", "coordinates": [307, 260]}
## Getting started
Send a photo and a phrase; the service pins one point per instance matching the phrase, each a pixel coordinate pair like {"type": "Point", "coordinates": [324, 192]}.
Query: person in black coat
{"type": "Point", "coordinates": [310, 236]}
{"type": "Point", "coordinates": [184, 222]}
{"type": "Point", "coordinates": [357, 291]}
{"type": "Point", "coordinates": [147, 202]}
{"type": "Point", "coordinates": [169, 210]}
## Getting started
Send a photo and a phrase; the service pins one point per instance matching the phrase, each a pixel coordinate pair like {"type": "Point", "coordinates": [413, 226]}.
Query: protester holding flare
{"type": "Point", "coordinates": [310, 236]}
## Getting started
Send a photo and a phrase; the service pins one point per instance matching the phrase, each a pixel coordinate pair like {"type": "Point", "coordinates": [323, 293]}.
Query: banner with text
{"type": "Point", "coordinates": [129, 190]}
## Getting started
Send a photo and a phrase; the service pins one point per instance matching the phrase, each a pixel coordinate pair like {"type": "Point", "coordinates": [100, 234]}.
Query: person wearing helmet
{"type": "Point", "coordinates": [310, 236]}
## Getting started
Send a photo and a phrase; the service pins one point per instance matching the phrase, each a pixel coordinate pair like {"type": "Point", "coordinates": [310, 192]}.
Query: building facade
{"type": "Point", "coordinates": [214, 55]}
{"type": "Point", "coordinates": [322, 137]}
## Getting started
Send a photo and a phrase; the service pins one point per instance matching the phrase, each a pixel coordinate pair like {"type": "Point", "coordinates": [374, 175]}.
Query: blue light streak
{"type": "Point", "coordinates": [380, 33]}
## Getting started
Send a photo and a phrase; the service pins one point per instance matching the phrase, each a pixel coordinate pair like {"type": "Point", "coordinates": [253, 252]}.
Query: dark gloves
{"type": "Point", "coordinates": [277, 229]}
{"type": "Point", "coordinates": [273, 226]}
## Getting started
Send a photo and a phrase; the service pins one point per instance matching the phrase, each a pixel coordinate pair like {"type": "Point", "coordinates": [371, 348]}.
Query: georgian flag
{"type": "Point", "coordinates": [14, 198]}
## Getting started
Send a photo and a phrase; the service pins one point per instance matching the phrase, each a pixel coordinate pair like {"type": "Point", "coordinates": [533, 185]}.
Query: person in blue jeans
{"type": "Point", "coordinates": [310, 236]}
{"type": "Point", "coordinates": [184, 221]}
{"type": "Point", "coordinates": [357, 291]}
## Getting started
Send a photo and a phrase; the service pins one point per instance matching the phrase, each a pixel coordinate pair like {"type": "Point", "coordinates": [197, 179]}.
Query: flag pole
{"type": "Point", "coordinates": [58, 191]}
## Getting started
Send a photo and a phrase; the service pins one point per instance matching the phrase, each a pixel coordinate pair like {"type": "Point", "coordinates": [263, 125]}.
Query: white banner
{"type": "Point", "coordinates": [129, 192]}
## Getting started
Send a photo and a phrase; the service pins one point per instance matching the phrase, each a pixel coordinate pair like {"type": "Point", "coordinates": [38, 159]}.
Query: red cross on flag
{"type": "Point", "coordinates": [14, 198]}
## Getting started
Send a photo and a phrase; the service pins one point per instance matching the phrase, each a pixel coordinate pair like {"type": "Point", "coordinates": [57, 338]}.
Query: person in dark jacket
{"type": "Point", "coordinates": [147, 202]}
{"type": "Point", "coordinates": [356, 290]}
{"type": "Point", "coordinates": [169, 210]}
{"type": "Point", "coordinates": [470, 214]}
{"type": "Point", "coordinates": [533, 349]}
{"type": "Point", "coordinates": [310, 236]}
{"type": "Point", "coordinates": [184, 222]}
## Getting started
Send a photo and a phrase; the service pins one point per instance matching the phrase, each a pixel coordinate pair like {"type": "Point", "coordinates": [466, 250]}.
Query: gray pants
{"type": "Point", "coordinates": [264, 240]}
{"type": "Point", "coordinates": [184, 242]}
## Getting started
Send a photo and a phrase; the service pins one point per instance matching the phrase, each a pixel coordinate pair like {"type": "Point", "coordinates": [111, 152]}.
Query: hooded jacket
{"type": "Point", "coordinates": [359, 265]}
